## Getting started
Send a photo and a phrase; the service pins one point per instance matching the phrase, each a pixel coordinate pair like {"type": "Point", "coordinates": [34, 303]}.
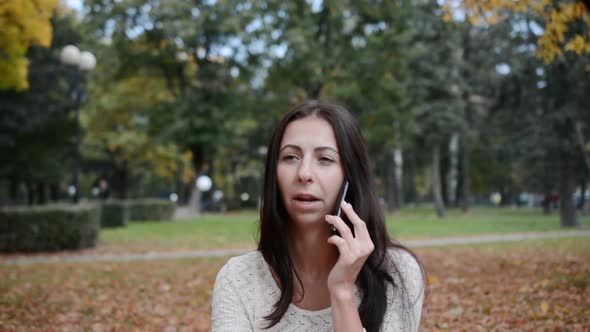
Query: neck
{"type": "Point", "coordinates": [310, 251]}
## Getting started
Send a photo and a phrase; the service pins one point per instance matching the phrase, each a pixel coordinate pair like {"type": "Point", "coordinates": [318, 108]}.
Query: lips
{"type": "Point", "coordinates": [305, 198]}
{"type": "Point", "coordinates": [306, 201]}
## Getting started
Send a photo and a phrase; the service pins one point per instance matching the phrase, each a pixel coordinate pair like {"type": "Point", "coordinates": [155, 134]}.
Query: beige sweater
{"type": "Point", "coordinates": [245, 292]}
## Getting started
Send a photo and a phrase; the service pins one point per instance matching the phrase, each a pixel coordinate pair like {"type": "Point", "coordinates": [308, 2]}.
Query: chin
{"type": "Point", "coordinates": [308, 219]}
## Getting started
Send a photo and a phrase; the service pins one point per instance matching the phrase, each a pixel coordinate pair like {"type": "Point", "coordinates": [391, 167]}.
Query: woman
{"type": "Point", "coordinates": [304, 277]}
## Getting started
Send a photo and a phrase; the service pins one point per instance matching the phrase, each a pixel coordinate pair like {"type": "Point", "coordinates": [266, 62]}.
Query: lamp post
{"type": "Point", "coordinates": [83, 61]}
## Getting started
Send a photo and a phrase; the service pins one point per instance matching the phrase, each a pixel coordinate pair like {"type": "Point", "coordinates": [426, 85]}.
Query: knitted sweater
{"type": "Point", "coordinates": [245, 292]}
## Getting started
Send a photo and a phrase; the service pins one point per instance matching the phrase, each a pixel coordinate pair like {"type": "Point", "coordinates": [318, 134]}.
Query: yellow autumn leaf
{"type": "Point", "coordinates": [433, 280]}
{"type": "Point", "coordinates": [544, 307]}
{"type": "Point", "coordinates": [24, 23]}
{"type": "Point", "coordinates": [558, 21]}
{"type": "Point", "coordinates": [576, 44]}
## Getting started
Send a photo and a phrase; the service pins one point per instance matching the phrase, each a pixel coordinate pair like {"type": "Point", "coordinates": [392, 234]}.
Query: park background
{"type": "Point", "coordinates": [127, 178]}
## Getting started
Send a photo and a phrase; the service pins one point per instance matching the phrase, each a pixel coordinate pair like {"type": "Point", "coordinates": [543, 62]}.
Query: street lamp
{"type": "Point", "coordinates": [83, 61]}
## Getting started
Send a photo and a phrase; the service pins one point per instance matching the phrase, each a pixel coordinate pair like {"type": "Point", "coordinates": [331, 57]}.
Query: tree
{"type": "Point", "coordinates": [29, 119]}
{"type": "Point", "coordinates": [203, 55]}
{"type": "Point", "coordinates": [120, 129]}
{"type": "Point", "coordinates": [565, 27]}
{"type": "Point", "coordinates": [540, 105]}
{"type": "Point", "coordinates": [24, 24]}
{"type": "Point", "coordinates": [435, 88]}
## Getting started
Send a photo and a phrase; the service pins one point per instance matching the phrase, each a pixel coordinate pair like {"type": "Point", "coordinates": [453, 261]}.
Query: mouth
{"type": "Point", "coordinates": [306, 202]}
{"type": "Point", "coordinates": [305, 198]}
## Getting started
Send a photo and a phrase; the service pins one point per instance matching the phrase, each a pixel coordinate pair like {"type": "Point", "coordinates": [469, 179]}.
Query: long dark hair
{"type": "Point", "coordinates": [274, 242]}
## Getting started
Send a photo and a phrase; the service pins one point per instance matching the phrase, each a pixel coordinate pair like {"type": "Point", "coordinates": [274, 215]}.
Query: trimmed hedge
{"type": "Point", "coordinates": [151, 209]}
{"type": "Point", "coordinates": [49, 227]}
{"type": "Point", "coordinates": [114, 214]}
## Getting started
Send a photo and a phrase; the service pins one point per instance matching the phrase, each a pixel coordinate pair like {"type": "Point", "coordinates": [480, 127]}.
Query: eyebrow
{"type": "Point", "coordinates": [319, 148]}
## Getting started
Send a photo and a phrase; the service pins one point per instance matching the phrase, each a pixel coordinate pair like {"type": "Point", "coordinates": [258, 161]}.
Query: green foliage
{"type": "Point", "coordinates": [435, 87]}
{"type": "Point", "coordinates": [114, 214]}
{"type": "Point", "coordinates": [29, 120]}
{"type": "Point", "coordinates": [151, 209]}
{"type": "Point", "coordinates": [49, 228]}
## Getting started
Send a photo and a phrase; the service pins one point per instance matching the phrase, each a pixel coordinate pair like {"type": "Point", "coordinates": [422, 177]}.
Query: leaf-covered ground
{"type": "Point", "coordinates": [518, 287]}
{"type": "Point", "coordinates": [529, 286]}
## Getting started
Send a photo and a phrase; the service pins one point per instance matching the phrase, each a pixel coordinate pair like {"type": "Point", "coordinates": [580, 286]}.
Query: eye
{"type": "Point", "coordinates": [327, 160]}
{"type": "Point", "coordinates": [289, 157]}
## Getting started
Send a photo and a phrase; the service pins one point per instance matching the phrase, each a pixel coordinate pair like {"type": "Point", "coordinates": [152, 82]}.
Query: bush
{"type": "Point", "coordinates": [49, 227]}
{"type": "Point", "coordinates": [114, 214]}
{"type": "Point", "coordinates": [151, 209]}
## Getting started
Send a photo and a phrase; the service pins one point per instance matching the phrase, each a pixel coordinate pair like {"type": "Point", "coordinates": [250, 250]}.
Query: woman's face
{"type": "Point", "coordinates": [309, 170]}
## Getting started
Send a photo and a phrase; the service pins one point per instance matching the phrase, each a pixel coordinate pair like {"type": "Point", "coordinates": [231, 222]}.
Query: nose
{"type": "Point", "coordinates": [305, 172]}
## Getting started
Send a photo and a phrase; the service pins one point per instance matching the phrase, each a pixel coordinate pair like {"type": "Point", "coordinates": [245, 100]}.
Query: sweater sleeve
{"type": "Point", "coordinates": [405, 303]}
{"type": "Point", "coordinates": [227, 309]}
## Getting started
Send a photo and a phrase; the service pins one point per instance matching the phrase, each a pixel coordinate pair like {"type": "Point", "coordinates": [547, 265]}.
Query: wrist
{"type": "Point", "coordinates": [344, 293]}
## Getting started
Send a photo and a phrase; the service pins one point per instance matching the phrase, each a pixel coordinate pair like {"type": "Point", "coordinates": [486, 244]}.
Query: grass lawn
{"type": "Point", "coordinates": [522, 286]}
{"type": "Point", "coordinates": [239, 230]}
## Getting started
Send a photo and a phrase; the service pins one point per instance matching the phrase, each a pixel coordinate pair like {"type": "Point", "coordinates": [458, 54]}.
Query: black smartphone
{"type": "Point", "coordinates": [337, 209]}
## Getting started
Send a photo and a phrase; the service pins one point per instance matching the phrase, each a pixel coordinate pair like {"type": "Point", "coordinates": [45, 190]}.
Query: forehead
{"type": "Point", "coordinates": [309, 131]}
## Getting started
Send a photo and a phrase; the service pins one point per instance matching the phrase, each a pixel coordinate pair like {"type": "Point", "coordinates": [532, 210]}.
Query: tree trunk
{"type": "Point", "coordinates": [13, 191]}
{"type": "Point", "coordinates": [195, 196]}
{"type": "Point", "coordinates": [54, 192]}
{"type": "Point", "coordinates": [453, 168]}
{"type": "Point", "coordinates": [567, 208]}
{"type": "Point", "coordinates": [409, 180]}
{"type": "Point", "coordinates": [390, 183]}
{"type": "Point", "coordinates": [443, 169]}
{"type": "Point", "coordinates": [547, 185]}
{"type": "Point", "coordinates": [436, 183]}
{"type": "Point", "coordinates": [30, 192]}
{"type": "Point", "coordinates": [465, 175]}
{"type": "Point", "coordinates": [399, 175]}
{"type": "Point", "coordinates": [120, 183]}
{"type": "Point", "coordinates": [41, 193]}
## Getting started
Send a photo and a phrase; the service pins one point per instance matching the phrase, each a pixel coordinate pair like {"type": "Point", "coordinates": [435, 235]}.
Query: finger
{"type": "Point", "coordinates": [340, 243]}
{"type": "Point", "coordinates": [360, 227]}
{"type": "Point", "coordinates": [341, 226]}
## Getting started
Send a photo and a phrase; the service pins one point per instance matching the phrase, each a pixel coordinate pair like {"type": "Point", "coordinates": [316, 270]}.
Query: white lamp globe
{"type": "Point", "coordinates": [181, 56]}
{"type": "Point", "coordinates": [72, 190]}
{"type": "Point", "coordinates": [244, 197]}
{"type": "Point", "coordinates": [87, 60]}
{"type": "Point", "coordinates": [204, 183]}
{"type": "Point", "coordinates": [217, 195]}
{"type": "Point", "coordinates": [496, 198]}
{"type": "Point", "coordinates": [70, 55]}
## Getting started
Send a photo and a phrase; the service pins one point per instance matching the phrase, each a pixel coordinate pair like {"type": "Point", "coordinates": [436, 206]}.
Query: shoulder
{"type": "Point", "coordinates": [405, 261]}
{"type": "Point", "coordinates": [241, 266]}
{"type": "Point", "coordinates": [405, 267]}
{"type": "Point", "coordinates": [238, 279]}
{"type": "Point", "coordinates": [235, 293]}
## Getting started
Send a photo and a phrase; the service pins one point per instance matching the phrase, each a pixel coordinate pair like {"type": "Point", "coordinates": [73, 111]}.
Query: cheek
{"type": "Point", "coordinates": [282, 178]}
{"type": "Point", "coordinates": [334, 185]}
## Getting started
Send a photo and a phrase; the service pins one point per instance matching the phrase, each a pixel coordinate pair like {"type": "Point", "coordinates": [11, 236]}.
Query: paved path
{"type": "Point", "coordinates": [437, 242]}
